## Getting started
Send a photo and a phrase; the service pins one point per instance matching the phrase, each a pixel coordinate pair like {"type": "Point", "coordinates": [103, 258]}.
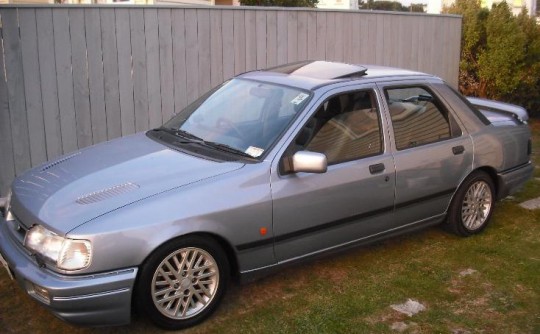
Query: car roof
{"type": "Point", "coordinates": [311, 75]}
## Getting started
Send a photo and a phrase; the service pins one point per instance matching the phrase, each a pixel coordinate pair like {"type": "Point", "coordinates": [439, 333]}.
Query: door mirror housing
{"type": "Point", "coordinates": [308, 162]}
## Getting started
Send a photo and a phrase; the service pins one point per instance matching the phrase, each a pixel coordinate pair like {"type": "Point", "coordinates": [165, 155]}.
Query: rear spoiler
{"type": "Point", "coordinates": [500, 107]}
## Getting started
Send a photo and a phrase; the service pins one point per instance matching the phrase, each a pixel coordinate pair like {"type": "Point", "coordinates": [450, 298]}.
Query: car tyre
{"type": "Point", "coordinates": [472, 206]}
{"type": "Point", "coordinates": [182, 282]}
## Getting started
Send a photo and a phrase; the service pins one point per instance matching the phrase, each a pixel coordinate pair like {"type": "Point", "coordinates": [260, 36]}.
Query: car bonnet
{"type": "Point", "coordinates": [79, 187]}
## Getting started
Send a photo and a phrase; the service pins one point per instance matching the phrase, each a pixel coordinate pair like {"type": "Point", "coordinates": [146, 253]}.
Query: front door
{"type": "Point", "coordinates": [354, 198]}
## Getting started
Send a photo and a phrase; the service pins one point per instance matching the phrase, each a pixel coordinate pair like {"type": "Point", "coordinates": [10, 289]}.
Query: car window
{"type": "Point", "coordinates": [418, 118]}
{"type": "Point", "coordinates": [345, 127]}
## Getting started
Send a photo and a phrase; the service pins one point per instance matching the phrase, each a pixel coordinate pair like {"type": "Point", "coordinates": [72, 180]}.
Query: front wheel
{"type": "Point", "coordinates": [182, 282]}
{"type": "Point", "coordinates": [472, 205]}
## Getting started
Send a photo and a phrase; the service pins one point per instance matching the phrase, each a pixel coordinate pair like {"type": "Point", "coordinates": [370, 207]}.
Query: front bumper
{"type": "Point", "coordinates": [511, 180]}
{"type": "Point", "coordinates": [92, 300]}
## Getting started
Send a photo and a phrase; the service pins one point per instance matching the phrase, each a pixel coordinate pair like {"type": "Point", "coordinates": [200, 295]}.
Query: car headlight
{"type": "Point", "coordinates": [7, 208]}
{"type": "Point", "coordinates": [65, 253]}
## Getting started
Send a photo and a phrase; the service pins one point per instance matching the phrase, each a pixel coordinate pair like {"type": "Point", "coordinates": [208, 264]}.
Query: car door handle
{"type": "Point", "coordinates": [377, 168]}
{"type": "Point", "coordinates": [458, 149]}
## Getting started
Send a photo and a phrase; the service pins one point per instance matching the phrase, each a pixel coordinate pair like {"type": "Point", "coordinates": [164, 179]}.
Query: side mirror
{"type": "Point", "coordinates": [309, 162]}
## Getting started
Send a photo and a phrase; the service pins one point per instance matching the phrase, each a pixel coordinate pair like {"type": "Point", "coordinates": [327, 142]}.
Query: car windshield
{"type": "Point", "coordinates": [242, 116]}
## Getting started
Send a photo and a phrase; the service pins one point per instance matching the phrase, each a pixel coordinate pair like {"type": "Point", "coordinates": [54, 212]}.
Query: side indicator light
{"type": "Point", "coordinates": [263, 231]}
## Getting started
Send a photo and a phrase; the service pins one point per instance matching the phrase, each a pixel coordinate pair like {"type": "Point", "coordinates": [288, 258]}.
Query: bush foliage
{"type": "Point", "coordinates": [500, 54]}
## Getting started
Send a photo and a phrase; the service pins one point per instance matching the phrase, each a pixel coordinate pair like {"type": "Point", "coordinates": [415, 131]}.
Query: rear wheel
{"type": "Point", "coordinates": [182, 282]}
{"type": "Point", "coordinates": [473, 205]}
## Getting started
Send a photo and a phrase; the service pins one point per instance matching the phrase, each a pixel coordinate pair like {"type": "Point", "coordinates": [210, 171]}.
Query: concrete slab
{"type": "Point", "coordinates": [531, 204]}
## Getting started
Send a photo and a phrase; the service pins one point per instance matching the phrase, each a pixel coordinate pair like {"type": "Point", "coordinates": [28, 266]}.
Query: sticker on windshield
{"type": "Point", "coordinates": [254, 151]}
{"type": "Point", "coordinates": [299, 98]}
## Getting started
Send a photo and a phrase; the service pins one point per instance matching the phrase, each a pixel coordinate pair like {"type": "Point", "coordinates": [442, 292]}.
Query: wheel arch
{"type": "Point", "coordinates": [490, 171]}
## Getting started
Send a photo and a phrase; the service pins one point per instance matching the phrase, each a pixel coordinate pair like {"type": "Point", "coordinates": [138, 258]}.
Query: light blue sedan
{"type": "Point", "coordinates": [269, 168]}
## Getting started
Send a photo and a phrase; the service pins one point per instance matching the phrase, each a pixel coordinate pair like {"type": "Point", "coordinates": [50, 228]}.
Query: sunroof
{"type": "Point", "coordinates": [321, 70]}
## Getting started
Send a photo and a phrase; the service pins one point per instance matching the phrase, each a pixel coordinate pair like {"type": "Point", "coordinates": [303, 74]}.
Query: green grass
{"type": "Point", "coordinates": [352, 292]}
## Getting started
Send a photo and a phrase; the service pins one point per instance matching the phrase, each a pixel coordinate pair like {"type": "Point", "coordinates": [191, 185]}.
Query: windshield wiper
{"type": "Point", "coordinates": [227, 148]}
{"type": "Point", "coordinates": [193, 139]}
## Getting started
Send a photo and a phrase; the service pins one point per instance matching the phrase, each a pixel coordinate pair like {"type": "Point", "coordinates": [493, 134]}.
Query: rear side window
{"type": "Point", "coordinates": [418, 118]}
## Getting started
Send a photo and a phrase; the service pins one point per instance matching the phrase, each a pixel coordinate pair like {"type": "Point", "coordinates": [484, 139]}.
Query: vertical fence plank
{"type": "Point", "coordinates": [155, 118]}
{"type": "Point", "coordinates": [81, 92]}
{"type": "Point", "coordinates": [282, 52]}
{"type": "Point", "coordinates": [302, 36]}
{"type": "Point", "coordinates": [321, 35]}
{"type": "Point", "coordinates": [251, 42]}
{"type": "Point", "coordinates": [312, 35]}
{"type": "Point", "coordinates": [32, 88]}
{"type": "Point", "coordinates": [338, 36]}
{"type": "Point", "coordinates": [261, 39]}
{"type": "Point", "coordinates": [216, 48]}
{"type": "Point", "coordinates": [347, 38]}
{"type": "Point", "coordinates": [95, 75]}
{"type": "Point", "coordinates": [16, 100]}
{"type": "Point", "coordinates": [125, 81]}
{"type": "Point", "coordinates": [227, 33]}
{"type": "Point", "coordinates": [111, 73]}
{"type": "Point", "coordinates": [331, 36]}
{"type": "Point", "coordinates": [64, 79]}
{"type": "Point", "coordinates": [239, 42]}
{"type": "Point", "coordinates": [166, 63]}
{"type": "Point", "coordinates": [49, 90]}
{"type": "Point", "coordinates": [271, 38]}
{"type": "Point", "coordinates": [358, 40]}
{"type": "Point", "coordinates": [138, 54]}
{"type": "Point", "coordinates": [292, 37]}
{"type": "Point", "coordinates": [203, 36]}
{"type": "Point", "coordinates": [7, 164]}
{"type": "Point", "coordinates": [192, 56]}
{"type": "Point", "coordinates": [179, 59]}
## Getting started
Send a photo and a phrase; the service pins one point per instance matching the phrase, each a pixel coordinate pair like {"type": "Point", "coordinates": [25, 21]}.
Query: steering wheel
{"type": "Point", "coordinates": [227, 123]}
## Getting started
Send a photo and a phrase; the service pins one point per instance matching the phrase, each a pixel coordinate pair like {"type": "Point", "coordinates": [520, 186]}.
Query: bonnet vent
{"type": "Point", "coordinates": [104, 194]}
{"type": "Point", "coordinates": [59, 161]}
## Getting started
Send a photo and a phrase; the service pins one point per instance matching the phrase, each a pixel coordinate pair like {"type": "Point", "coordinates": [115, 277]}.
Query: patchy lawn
{"type": "Point", "coordinates": [488, 283]}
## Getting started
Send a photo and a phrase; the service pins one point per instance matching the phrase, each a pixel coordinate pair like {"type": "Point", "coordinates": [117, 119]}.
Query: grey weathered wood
{"type": "Point", "coordinates": [125, 81]}
{"type": "Point", "coordinates": [81, 92]}
{"type": "Point", "coordinates": [111, 73]}
{"type": "Point", "coordinates": [260, 26]}
{"type": "Point", "coordinates": [138, 53]}
{"type": "Point", "coordinates": [330, 36]}
{"type": "Point", "coordinates": [16, 99]}
{"type": "Point", "coordinates": [203, 40]}
{"type": "Point", "coordinates": [292, 37]}
{"type": "Point", "coordinates": [239, 42]}
{"type": "Point", "coordinates": [251, 41]}
{"type": "Point", "coordinates": [15, 91]}
{"type": "Point", "coordinates": [7, 164]}
{"type": "Point", "coordinates": [179, 59]}
{"type": "Point", "coordinates": [282, 44]}
{"type": "Point", "coordinates": [216, 48]}
{"type": "Point", "coordinates": [311, 35]}
{"type": "Point", "coordinates": [321, 36]}
{"type": "Point", "coordinates": [155, 118]}
{"type": "Point", "coordinates": [271, 38]}
{"type": "Point", "coordinates": [166, 63]}
{"type": "Point", "coordinates": [64, 79]}
{"type": "Point", "coordinates": [192, 55]}
{"type": "Point", "coordinates": [49, 89]}
{"type": "Point", "coordinates": [301, 38]}
{"type": "Point", "coordinates": [81, 75]}
{"type": "Point", "coordinates": [95, 75]}
{"type": "Point", "coordinates": [339, 36]}
{"type": "Point", "coordinates": [32, 87]}
{"type": "Point", "coordinates": [227, 33]}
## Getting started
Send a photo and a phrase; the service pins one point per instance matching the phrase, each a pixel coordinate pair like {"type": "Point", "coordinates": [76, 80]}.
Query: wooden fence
{"type": "Point", "coordinates": [74, 76]}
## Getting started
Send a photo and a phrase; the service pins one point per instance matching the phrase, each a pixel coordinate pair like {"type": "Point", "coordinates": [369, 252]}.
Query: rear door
{"type": "Point", "coordinates": [432, 153]}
